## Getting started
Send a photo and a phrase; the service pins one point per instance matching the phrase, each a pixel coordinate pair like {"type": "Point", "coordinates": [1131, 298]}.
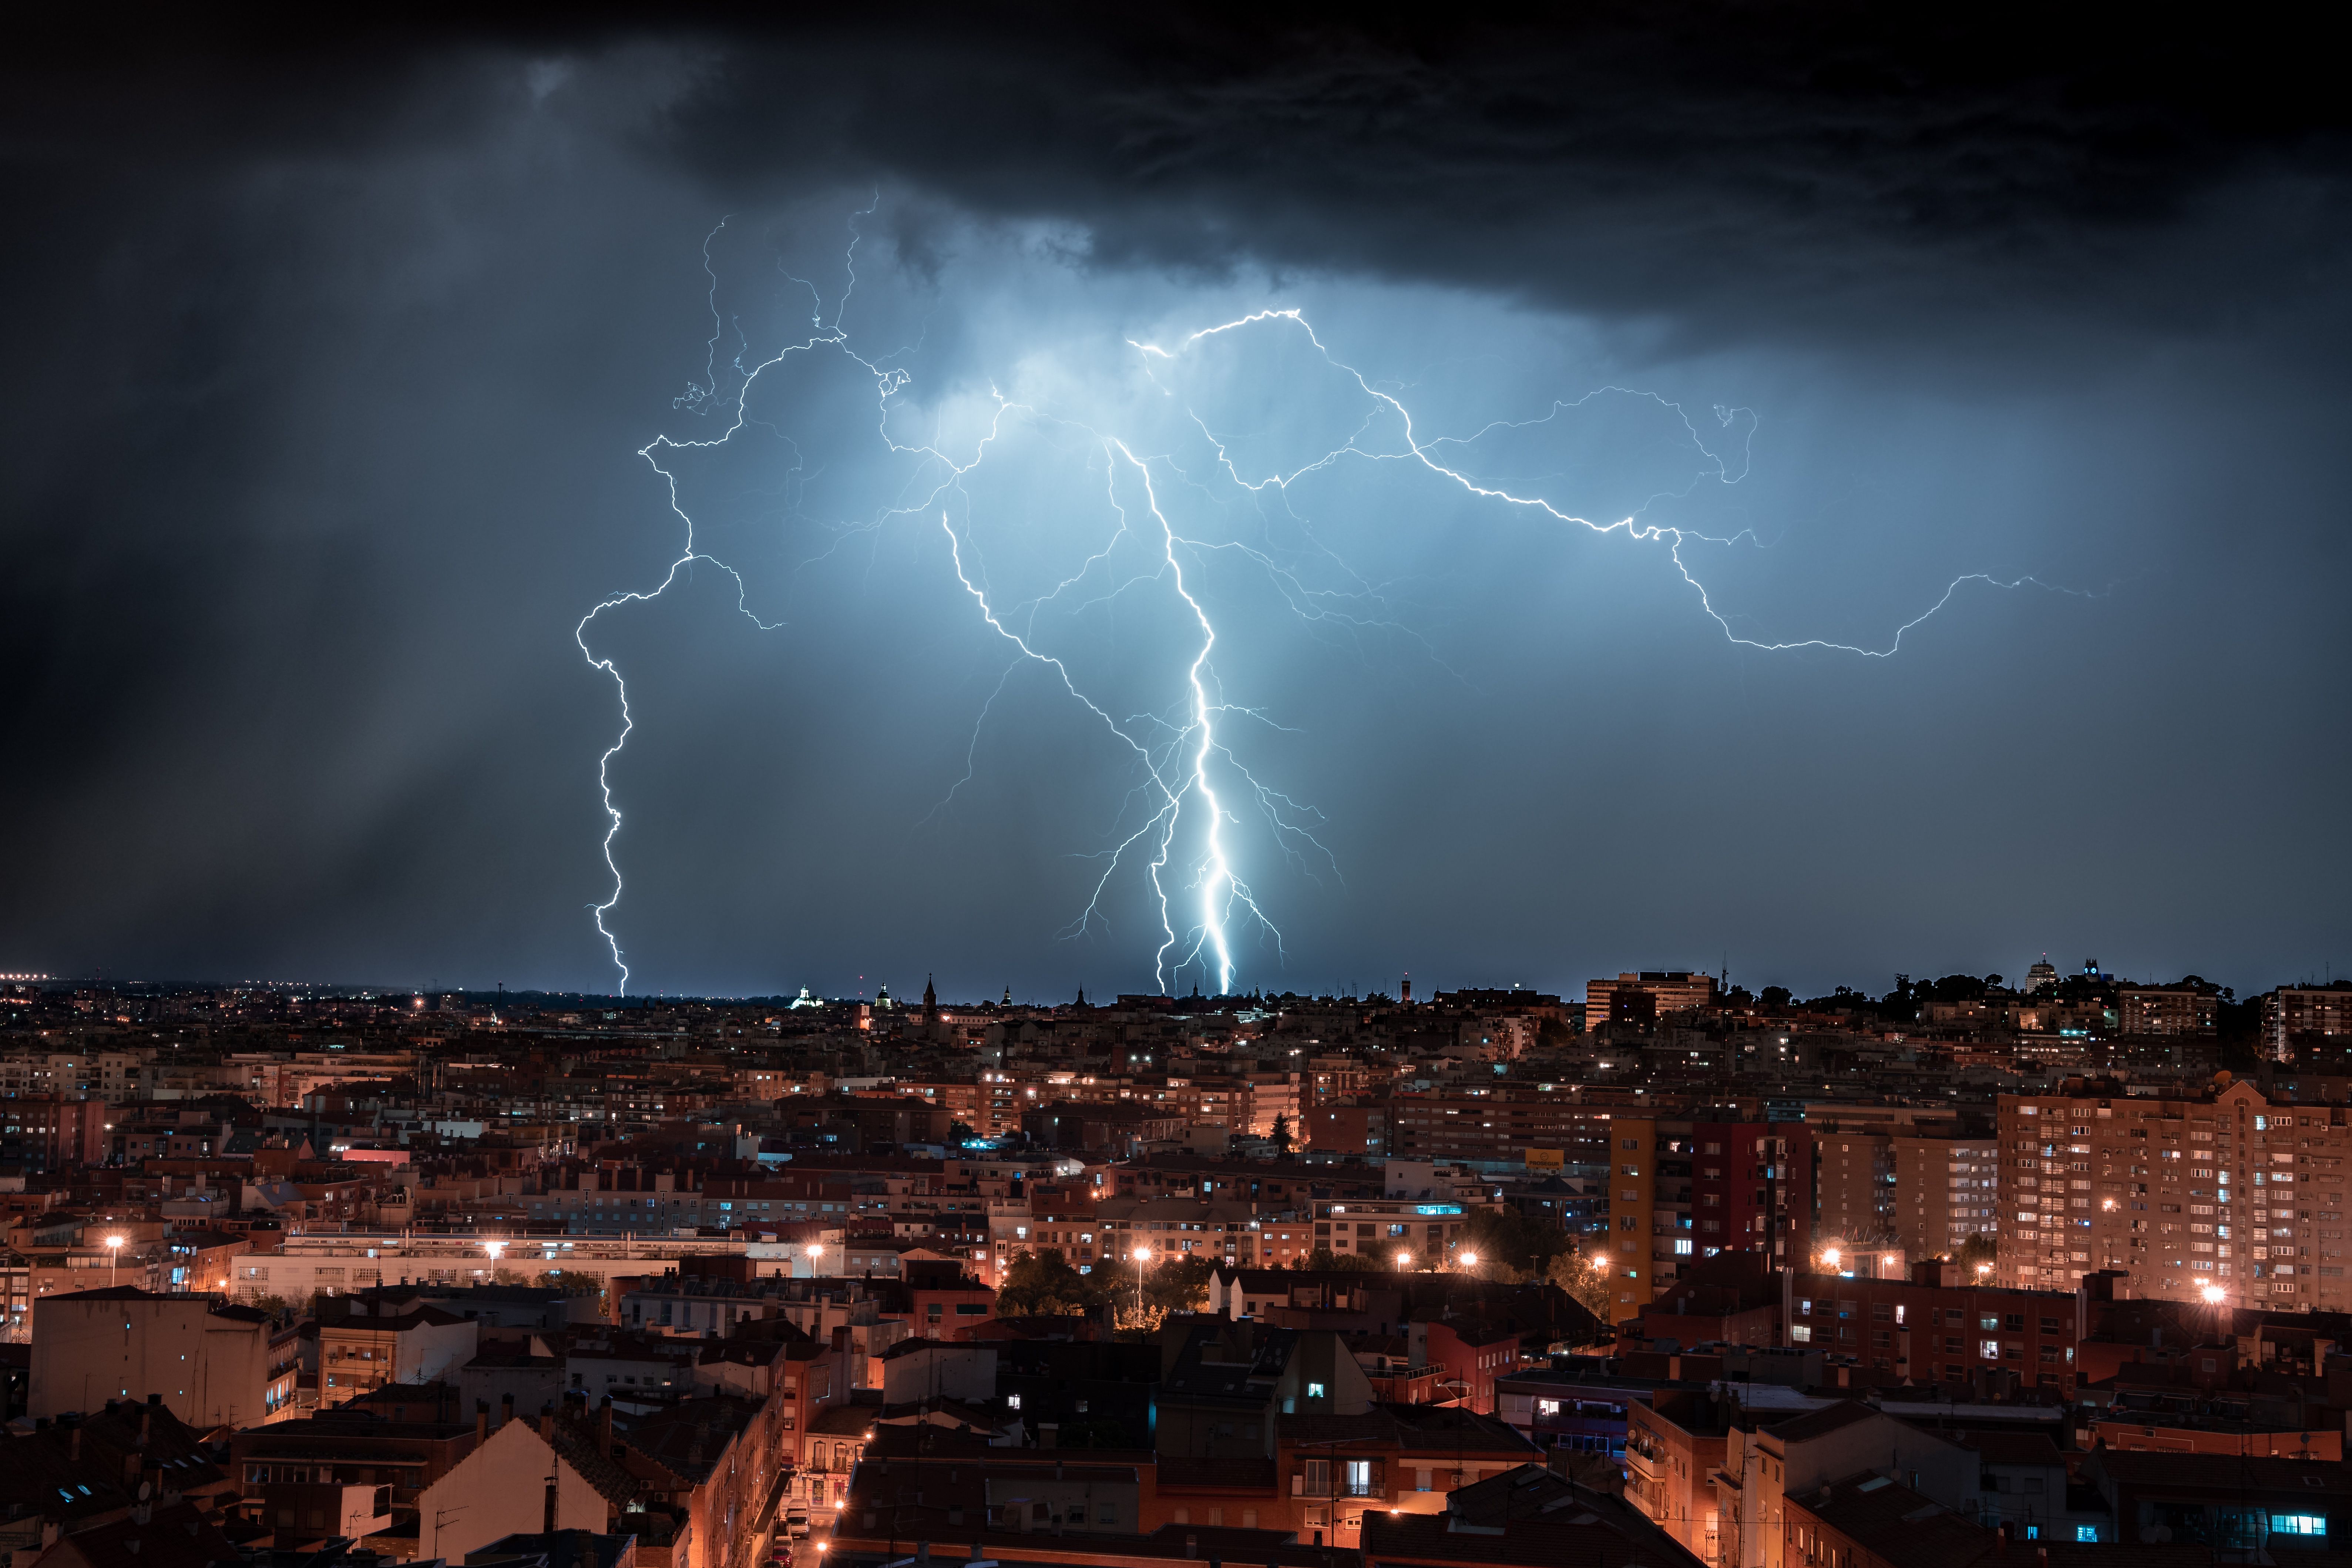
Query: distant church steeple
{"type": "Point", "coordinates": [1008, 996]}
{"type": "Point", "coordinates": [930, 1002]}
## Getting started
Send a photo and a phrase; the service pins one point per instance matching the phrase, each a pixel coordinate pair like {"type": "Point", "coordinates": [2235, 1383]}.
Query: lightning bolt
{"type": "Point", "coordinates": [1174, 789]}
{"type": "Point", "coordinates": [1413, 450]}
{"type": "Point", "coordinates": [1179, 754]}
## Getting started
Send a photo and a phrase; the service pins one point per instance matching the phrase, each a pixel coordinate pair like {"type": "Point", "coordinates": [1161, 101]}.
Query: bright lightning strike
{"type": "Point", "coordinates": [1184, 839]}
{"type": "Point", "coordinates": [1631, 526]}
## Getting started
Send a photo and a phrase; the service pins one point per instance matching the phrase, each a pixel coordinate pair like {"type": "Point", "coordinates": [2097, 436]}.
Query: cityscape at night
{"type": "Point", "coordinates": [1391, 787]}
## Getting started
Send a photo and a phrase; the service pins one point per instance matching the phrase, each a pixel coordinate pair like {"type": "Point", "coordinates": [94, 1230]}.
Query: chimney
{"type": "Point", "coordinates": [481, 1421]}
{"type": "Point", "coordinates": [506, 1408]}
{"type": "Point", "coordinates": [547, 1423]}
{"type": "Point", "coordinates": [1192, 1546]}
{"type": "Point", "coordinates": [547, 1526]}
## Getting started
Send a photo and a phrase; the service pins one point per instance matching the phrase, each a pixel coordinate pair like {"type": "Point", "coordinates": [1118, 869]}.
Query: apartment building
{"type": "Point", "coordinates": [1683, 1191]}
{"type": "Point", "coordinates": [2307, 1012]}
{"type": "Point", "coordinates": [1647, 996]}
{"type": "Point", "coordinates": [1423, 1232]}
{"type": "Point", "coordinates": [2166, 1009]}
{"type": "Point", "coordinates": [366, 1352]}
{"type": "Point", "coordinates": [1855, 1185]}
{"type": "Point", "coordinates": [1766, 1466]}
{"type": "Point", "coordinates": [210, 1364]}
{"type": "Point", "coordinates": [2222, 1196]}
{"type": "Point", "coordinates": [1934, 1332]}
{"type": "Point", "coordinates": [1494, 1125]}
{"type": "Point", "coordinates": [1947, 1191]}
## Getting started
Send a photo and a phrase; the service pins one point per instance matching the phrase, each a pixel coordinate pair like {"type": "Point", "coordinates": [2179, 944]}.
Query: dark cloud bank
{"type": "Point", "coordinates": [330, 352]}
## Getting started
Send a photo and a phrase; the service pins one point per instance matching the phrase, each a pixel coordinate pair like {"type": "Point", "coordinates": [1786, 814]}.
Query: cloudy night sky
{"type": "Point", "coordinates": [1511, 593]}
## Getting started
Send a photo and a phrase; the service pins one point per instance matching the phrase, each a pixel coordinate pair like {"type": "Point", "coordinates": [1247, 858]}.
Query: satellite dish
{"type": "Point", "coordinates": [146, 1489]}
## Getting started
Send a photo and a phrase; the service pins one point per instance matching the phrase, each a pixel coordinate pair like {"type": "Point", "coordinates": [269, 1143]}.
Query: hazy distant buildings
{"type": "Point", "coordinates": [2166, 1009]}
{"type": "Point", "coordinates": [2303, 1015]}
{"type": "Point", "coordinates": [1647, 996]}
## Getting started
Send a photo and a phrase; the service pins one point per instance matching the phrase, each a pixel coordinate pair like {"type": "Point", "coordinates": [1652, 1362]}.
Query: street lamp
{"type": "Point", "coordinates": [815, 1255]}
{"type": "Point", "coordinates": [1142, 1255]}
{"type": "Point", "coordinates": [1829, 1255]}
{"type": "Point", "coordinates": [1469, 1261]}
{"type": "Point", "coordinates": [113, 1257]}
{"type": "Point", "coordinates": [1404, 1260]}
{"type": "Point", "coordinates": [497, 1249]}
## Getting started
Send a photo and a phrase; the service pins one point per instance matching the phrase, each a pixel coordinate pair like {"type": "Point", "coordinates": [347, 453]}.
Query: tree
{"type": "Point", "coordinates": [1508, 1238]}
{"type": "Point", "coordinates": [1978, 1249]}
{"type": "Point", "coordinates": [1282, 1132]}
{"type": "Point", "coordinates": [1588, 1282]}
{"type": "Point", "coordinates": [1177, 1285]}
{"type": "Point", "coordinates": [1324, 1259]}
{"type": "Point", "coordinates": [958, 1132]}
{"type": "Point", "coordinates": [1044, 1283]}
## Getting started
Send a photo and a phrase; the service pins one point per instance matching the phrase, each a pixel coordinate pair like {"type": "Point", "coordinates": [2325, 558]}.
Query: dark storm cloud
{"type": "Point", "coordinates": [1793, 165]}
{"type": "Point", "coordinates": [1832, 170]}
{"type": "Point", "coordinates": [327, 351]}
{"type": "Point", "coordinates": [1767, 170]}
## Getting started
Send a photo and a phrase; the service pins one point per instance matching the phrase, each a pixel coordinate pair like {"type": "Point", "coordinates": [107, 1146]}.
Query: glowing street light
{"type": "Point", "coordinates": [1404, 1260]}
{"type": "Point", "coordinates": [497, 1249]}
{"type": "Point", "coordinates": [2214, 1294]}
{"type": "Point", "coordinates": [113, 1256]}
{"type": "Point", "coordinates": [1469, 1261]}
{"type": "Point", "coordinates": [1829, 1255]}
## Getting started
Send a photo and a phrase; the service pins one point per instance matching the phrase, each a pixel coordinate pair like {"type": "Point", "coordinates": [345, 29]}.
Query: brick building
{"type": "Point", "coordinates": [1939, 1333]}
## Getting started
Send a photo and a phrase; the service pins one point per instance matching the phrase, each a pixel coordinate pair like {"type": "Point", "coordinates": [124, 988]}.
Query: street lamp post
{"type": "Point", "coordinates": [113, 1257]}
{"type": "Point", "coordinates": [1142, 1255]}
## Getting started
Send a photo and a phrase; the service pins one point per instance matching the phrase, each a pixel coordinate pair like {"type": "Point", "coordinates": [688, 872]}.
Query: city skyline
{"type": "Point", "coordinates": [1373, 787]}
